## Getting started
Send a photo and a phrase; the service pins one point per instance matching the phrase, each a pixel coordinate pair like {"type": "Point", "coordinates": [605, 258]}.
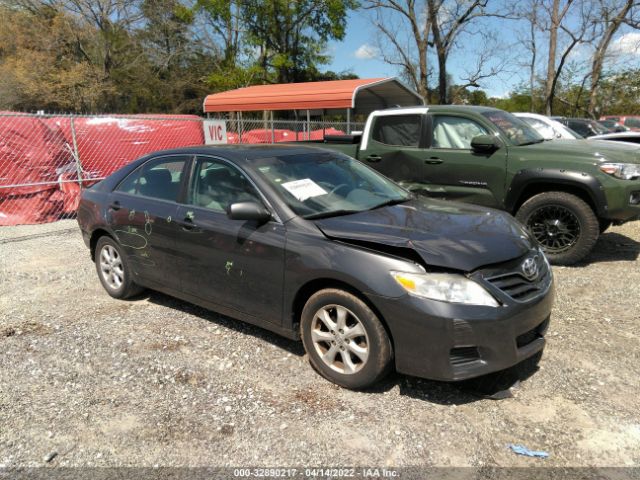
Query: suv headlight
{"type": "Point", "coordinates": [445, 287]}
{"type": "Point", "coordinates": [625, 171]}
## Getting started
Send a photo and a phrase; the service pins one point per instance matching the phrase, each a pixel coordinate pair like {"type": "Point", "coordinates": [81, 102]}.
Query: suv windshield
{"type": "Point", "coordinates": [316, 185]}
{"type": "Point", "coordinates": [516, 130]}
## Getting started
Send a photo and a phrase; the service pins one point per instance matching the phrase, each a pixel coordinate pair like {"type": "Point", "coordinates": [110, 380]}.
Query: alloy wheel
{"type": "Point", "coordinates": [111, 267]}
{"type": "Point", "coordinates": [556, 228]}
{"type": "Point", "coordinates": [340, 339]}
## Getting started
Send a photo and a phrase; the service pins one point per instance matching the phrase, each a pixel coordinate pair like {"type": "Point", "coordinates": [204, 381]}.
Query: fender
{"type": "Point", "coordinates": [584, 181]}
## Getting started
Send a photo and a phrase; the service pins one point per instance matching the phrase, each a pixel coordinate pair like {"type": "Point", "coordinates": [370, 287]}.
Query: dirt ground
{"type": "Point", "coordinates": [86, 380]}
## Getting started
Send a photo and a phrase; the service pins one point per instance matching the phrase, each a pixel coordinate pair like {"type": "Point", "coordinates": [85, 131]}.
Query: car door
{"type": "Point", "coordinates": [141, 215]}
{"type": "Point", "coordinates": [235, 264]}
{"type": "Point", "coordinates": [456, 170]}
{"type": "Point", "coordinates": [395, 147]}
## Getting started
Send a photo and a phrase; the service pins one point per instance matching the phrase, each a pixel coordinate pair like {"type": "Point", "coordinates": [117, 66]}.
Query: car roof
{"type": "Point", "coordinates": [463, 108]}
{"type": "Point", "coordinates": [243, 153]}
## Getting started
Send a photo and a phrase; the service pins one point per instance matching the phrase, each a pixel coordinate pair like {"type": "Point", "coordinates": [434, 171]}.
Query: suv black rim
{"type": "Point", "coordinates": [556, 228]}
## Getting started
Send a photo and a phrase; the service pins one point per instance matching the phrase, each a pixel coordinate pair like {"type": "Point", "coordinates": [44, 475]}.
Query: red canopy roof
{"type": "Point", "coordinates": [335, 94]}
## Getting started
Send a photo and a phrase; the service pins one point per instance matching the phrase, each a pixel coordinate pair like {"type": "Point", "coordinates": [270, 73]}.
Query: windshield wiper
{"type": "Point", "coordinates": [333, 213]}
{"type": "Point", "coordinates": [392, 201]}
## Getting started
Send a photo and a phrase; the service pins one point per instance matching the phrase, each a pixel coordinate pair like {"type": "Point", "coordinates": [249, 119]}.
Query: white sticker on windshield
{"type": "Point", "coordinates": [303, 189]}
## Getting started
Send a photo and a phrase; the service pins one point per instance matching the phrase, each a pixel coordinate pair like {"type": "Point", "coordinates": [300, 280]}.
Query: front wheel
{"type": "Point", "coordinates": [564, 225]}
{"type": "Point", "coordinates": [113, 269]}
{"type": "Point", "coordinates": [346, 342]}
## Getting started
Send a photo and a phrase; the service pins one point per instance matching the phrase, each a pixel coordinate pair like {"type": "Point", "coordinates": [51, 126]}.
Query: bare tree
{"type": "Point", "coordinates": [572, 20]}
{"type": "Point", "coordinates": [448, 19]}
{"type": "Point", "coordinates": [414, 67]}
{"type": "Point", "coordinates": [610, 16]}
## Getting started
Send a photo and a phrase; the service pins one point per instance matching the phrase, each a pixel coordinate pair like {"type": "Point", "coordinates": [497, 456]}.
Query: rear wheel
{"type": "Point", "coordinates": [564, 225]}
{"type": "Point", "coordinates": [346, 342]}
{"type": "Point", "coordinates": [113, 269]}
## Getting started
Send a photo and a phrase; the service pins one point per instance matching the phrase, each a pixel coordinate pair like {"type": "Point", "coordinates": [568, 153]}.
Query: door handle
{"type": "Point", "coordinates": [115, 205]}
{"type": "Point", "coordinates": [374, 158]}
{"type": "Point", "coordinates": [433, 161]}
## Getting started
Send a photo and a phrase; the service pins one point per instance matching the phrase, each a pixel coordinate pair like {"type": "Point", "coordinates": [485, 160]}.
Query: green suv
{"type": "Point", "coordinates": [566, 192]}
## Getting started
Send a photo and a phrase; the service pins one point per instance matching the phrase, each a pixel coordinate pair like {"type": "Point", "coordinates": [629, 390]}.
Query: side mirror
{"type": "Point", "coordinates": [248, 211]}
{"type": "Point", "coordinates": [484, 144]}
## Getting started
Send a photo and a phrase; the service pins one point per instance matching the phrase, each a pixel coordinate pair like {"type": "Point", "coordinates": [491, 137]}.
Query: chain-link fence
{"type": "Point", "coordinates": [47, 159]}
{"type": "Point", "coordinates": [257, 130]}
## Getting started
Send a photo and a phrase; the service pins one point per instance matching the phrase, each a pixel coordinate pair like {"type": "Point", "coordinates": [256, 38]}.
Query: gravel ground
{"type": "Point", "coordinates": [88, 380]}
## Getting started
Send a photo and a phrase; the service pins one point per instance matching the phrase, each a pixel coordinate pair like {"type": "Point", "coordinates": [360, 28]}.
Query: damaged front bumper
{"type": "Point", "coordinates": [446, 341]}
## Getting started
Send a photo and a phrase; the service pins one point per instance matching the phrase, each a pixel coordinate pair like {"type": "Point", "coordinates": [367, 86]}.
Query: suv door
{"type": "Point", "coordinates": [458, 171]}
{"type": "Point", "coordinates": [141, 215]}
{"type": "Point", "coordinates": [234, 264]}
{"type": "Point", "coordinates": [395, 147]}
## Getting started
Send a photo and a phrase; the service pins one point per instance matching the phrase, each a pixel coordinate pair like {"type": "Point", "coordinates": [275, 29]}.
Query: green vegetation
{"type": "Point", "coordinates": [158, 55]}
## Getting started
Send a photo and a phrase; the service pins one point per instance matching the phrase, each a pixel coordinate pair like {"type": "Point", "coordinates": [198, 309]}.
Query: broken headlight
{"type": "Point", "coordinates": [445, 287]}
{"type": "Point", "coordinates": [625, 171]}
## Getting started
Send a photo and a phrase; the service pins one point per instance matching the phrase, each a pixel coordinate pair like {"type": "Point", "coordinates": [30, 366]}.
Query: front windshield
{"type": "Point", "coordinates": [325, 184]}
{"type": "Point", "coordinates": [517, 131]}
{"type": "Point", "coordinates": [598, 128]}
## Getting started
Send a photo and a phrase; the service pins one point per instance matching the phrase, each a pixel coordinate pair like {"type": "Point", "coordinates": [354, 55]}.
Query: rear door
{"type": "Point", "coordinates": [236, 264]}
{"type": "Point", "coordinates": [395, 147]}
{"type": "Point", "coordinates": [456, 170]}
{"type": "Point", "coordinates": [141, 214]}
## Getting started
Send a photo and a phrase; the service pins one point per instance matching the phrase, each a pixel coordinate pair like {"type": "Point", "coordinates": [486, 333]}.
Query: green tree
{"type": "Point", "coordinates": [290, 37]}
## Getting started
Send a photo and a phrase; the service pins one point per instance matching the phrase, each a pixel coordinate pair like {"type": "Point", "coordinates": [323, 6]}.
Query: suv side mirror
{"type": "Point", "coordinates": [248, 211]}
{"type": "Point", "coordinates": [484, 144]}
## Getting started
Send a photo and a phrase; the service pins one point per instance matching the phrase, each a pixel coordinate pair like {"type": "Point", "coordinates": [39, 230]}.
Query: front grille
{"type": "Point", "coordinates": [532, 335]}
{"type": "Point", "coordinates": [516, 285]}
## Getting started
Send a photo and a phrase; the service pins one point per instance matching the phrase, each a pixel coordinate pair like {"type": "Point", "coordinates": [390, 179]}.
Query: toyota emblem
{"type": "Point", "coordinates": [530, 268]}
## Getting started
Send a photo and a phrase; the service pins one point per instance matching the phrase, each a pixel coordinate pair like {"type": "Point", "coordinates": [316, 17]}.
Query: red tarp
{"type": "Point", "coordinates": [38, 150]}
{"type": "Point", "coordinates": [264, 136]}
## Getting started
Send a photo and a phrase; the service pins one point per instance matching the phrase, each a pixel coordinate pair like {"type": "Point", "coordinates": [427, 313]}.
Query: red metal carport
{"type": "Point", "coordinates": [359, 96]}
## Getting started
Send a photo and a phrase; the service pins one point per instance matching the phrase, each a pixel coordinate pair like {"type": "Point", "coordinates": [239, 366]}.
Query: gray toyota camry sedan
{"type": "Point", "coordinates": [316, 246]}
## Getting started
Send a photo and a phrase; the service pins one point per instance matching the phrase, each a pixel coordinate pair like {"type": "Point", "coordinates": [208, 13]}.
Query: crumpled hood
{"type": "Point", "coordinates": [444, 234]}
{"type": "Point", "coordinates": [590, 150]}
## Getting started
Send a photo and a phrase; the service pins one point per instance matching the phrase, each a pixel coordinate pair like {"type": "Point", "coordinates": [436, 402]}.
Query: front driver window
{"type": "Point", "coordinates": [455, 132]}
{"type": "Point", "coordinates": [216, 185]}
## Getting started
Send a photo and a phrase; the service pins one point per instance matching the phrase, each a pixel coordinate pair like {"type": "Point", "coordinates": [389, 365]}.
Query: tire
{"type": "Point", "coordinates": [363, 339]}
{"type": "Point", "coordinates": [555, 217]}
{"type": "Point", "coordinates": [604, 225]}
{"type": "Point", "coordinates": [111, 264]}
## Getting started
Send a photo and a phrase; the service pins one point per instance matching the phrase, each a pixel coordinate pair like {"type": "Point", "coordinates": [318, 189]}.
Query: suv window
{"type": "Point", "coordinates": [581, 127]}
{"type": "Point", "coordinates": [455, 132]}
{"type": "Point", "coordinates": [158, 178]}
{"type": "Point", "coordinates": [216, 185]}
{"type": "Point", "coordinates": [632, 122]}
{"type": "Point", "coordinates": [398, 130]}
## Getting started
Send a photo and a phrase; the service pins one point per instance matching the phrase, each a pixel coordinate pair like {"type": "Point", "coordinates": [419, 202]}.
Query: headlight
{"type": "Point", "coordinates": [444, 287]}
{"type": "Point", "coordinates": [626, 171]}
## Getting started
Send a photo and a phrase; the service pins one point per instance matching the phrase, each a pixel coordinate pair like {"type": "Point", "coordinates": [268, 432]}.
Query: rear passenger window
{"type": "Point", "coordinates": [159, 178]}
{"type": "Point", "coordinates": [399, 130]}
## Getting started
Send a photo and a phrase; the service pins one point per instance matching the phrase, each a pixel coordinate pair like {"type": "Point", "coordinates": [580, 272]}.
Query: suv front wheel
{"type": "Point", "coordinates": [565, 225]}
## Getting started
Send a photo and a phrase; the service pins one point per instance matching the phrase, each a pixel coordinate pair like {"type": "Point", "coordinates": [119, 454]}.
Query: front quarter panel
{"type": "Point", "coordinates": [312, 257]}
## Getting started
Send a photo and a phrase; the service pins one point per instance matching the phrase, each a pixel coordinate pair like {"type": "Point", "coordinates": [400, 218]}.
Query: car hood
{"type": "Point", "coordinates": [444, 234]}
{"type": "Point", "coordinates": [589, 150]}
